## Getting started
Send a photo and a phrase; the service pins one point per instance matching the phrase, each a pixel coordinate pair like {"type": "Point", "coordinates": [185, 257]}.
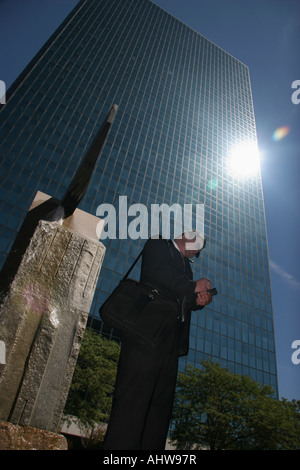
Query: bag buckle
{"type": "Point", "coordinates": [151, 294]}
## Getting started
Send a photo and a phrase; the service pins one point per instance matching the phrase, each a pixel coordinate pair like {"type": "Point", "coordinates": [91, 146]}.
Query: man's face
{"type": "Point", "coordinates": [190, 250]}
{"type": "Point", "coordinates": [191, 253]}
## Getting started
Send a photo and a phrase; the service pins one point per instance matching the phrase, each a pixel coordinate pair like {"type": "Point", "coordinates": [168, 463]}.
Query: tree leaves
{"type": "Point", "coordinates": [220, 410]}
{"type": "Point", "coordinates": [90, 394]}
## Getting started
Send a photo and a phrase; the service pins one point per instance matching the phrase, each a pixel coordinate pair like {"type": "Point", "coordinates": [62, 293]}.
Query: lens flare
{"type": "Point", "coordinates": [280, 133]}
{"type": "Point", "coordinates": [213, 183]}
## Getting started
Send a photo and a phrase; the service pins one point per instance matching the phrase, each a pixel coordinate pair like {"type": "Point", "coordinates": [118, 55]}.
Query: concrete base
{"type": "Point", "coordinates": [14, 437]}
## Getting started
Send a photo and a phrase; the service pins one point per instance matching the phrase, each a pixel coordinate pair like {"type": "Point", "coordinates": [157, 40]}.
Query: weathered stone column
{"type": "Point", "coordinates": [43, 318]}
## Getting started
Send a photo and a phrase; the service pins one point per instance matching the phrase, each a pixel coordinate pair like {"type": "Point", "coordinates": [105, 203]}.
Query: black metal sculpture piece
{"type": "Point", "coordinates": [54, 209]}
{"type": "Point", "coordinates": [80, 182]}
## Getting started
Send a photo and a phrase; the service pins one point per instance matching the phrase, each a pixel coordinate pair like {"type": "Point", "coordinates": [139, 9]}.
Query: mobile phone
{"type": "Point", "coordinates": [212, 291]}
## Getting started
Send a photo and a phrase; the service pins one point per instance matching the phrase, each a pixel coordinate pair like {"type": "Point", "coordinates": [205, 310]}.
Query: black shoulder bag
{"type": "Point", "coordinates": [139, 312]}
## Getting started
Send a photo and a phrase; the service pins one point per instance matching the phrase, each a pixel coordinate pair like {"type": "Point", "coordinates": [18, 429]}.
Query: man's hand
{"type": "Point", "coordinates": [202, 285]}
{"type": "Point", "coordinates": [203, 298]}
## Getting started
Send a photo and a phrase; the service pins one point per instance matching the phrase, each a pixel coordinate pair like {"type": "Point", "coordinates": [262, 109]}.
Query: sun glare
{"type": "Point", "coordinates": [244, 160]}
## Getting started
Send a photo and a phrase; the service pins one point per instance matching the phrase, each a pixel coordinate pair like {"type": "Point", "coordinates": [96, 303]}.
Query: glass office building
{"type": "Point", "coordinates": [184, 103]}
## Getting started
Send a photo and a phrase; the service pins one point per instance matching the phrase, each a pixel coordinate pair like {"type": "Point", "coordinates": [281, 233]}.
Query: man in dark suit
{"type": "Point", "coordinates": [146, 378]}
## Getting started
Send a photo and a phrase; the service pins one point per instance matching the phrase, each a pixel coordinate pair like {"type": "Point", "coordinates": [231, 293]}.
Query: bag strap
{"type": "Point", "coordinates": [133, 264]}
{"type": "Point", "coordinates": [136, 260]}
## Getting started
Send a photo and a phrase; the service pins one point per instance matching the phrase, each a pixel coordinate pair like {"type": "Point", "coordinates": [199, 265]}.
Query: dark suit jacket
{"type": "Point", "coordinates": [164, 267]}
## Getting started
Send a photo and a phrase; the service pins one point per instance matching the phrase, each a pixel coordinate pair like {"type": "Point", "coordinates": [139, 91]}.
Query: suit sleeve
{"type": "Point", "coordinates": [158, 266]}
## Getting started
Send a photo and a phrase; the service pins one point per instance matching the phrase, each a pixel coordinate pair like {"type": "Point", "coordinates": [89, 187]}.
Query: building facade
{"type": "Point", "coordinates": [184, 103]}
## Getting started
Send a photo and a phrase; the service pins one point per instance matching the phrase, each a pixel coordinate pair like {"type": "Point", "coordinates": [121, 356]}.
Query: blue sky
{"type": "Point", "coordinates": [264, 35]}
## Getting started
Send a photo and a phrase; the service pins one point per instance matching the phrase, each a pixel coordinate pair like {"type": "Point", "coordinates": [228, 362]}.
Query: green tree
{"type": "Point", "coordinates": [90, 395]}
{"type": "Point", "coordinates": [220, 410]}
{"type": "Point", "coordinates": [273, 424]}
